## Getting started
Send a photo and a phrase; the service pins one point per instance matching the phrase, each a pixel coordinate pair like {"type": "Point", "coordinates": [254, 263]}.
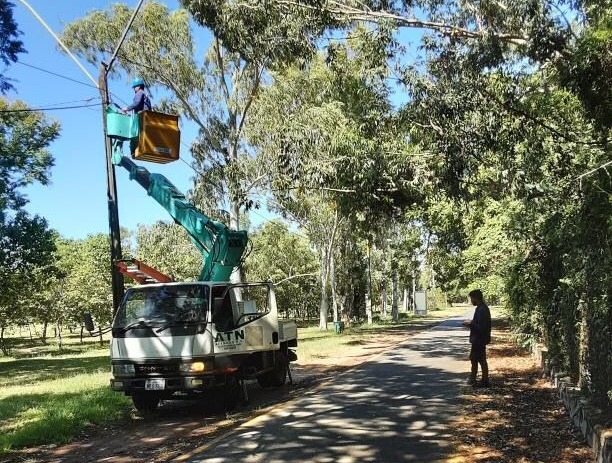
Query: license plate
{"type": "Point", "coordinates": [155, 384]}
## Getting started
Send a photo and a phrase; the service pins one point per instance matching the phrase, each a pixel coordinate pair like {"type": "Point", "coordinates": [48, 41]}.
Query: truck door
{"type": "Point", "coordinates": [244, 318]}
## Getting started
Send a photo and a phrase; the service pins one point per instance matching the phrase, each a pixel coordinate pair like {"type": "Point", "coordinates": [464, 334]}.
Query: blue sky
{"type": "Point", "coordinates": [75, 202]}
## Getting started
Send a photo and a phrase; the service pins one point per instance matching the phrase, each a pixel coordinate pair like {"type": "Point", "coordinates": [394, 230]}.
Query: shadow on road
{"type": "Point", "coordinates": [395, 409]}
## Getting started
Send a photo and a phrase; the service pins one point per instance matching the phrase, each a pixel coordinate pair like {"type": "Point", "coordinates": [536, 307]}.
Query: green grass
{"type": "Point", "coordinates": [51, 399]}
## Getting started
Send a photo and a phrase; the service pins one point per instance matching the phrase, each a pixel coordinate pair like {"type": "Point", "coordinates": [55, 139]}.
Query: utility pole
{"type": "Point", "coordinates": [111, 197]}
{"type": "Point", "coordinates": [111, 190]}
{"type": "Point", "coordinates": [111, 184]}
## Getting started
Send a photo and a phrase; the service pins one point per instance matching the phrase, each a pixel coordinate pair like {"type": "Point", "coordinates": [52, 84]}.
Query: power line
{"type": "Point", "coordinates": [31, 110]}
{"type": "Point", "coordinates": [592, 171]}
{"type": "Point", "coordinates": [59, 41]}
{"type": "Point", "coordinates": [57, 75]}
{"type": "Point", "coordinates": [61, 76]}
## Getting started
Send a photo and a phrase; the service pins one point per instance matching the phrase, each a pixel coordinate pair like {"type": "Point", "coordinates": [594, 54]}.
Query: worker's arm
{"type": "Point", "coordinates": [138, 101]}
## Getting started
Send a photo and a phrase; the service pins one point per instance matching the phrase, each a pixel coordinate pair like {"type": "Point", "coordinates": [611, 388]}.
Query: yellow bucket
{"type": "Point", "coordinates": [159, 138]}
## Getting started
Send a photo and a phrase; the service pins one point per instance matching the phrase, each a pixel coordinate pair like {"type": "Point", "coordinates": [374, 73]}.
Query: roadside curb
{"type": "Point", "coordinates": [271, 412]}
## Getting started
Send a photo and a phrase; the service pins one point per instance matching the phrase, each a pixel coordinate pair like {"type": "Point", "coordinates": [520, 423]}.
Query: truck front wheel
{"type": "Point", "coordinates": [145, 403]}
{"type": "Point", "coordinates": [278, 375]}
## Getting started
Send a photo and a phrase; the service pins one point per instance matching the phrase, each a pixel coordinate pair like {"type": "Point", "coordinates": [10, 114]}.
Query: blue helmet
{"type": "Point", "coordinates": [138, 83]}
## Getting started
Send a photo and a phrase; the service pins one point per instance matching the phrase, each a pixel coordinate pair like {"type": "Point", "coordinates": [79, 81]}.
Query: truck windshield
{"type": "Point", "coordinates": [162, 305]}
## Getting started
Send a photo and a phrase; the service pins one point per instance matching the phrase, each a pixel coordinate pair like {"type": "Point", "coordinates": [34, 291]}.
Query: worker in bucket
{"type": "Point", "coordinates": [141, 101]}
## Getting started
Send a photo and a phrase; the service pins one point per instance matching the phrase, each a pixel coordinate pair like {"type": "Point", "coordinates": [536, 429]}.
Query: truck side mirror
{"type": "Point", "coordinates": [88, 322]}
{"type": "Point", "coordinates": [217, 306]}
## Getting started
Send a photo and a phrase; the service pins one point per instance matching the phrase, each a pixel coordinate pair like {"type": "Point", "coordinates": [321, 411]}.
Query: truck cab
{"type": "Point", "coordinates": [185, 340]}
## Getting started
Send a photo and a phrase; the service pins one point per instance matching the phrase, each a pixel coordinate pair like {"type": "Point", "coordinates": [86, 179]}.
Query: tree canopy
{"type": "Point", "coordinates": [10, 45]}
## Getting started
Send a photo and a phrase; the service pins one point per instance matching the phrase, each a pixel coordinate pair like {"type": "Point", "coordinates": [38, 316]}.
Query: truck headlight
{"type": "Point", "coordinates": [123, 369]}
{"type": "Point", "coordinates": [194, 367]}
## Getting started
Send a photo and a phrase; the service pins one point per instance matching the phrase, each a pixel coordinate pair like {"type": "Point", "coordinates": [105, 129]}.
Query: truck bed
{"type": "Point", "coordinates": [287, 330]}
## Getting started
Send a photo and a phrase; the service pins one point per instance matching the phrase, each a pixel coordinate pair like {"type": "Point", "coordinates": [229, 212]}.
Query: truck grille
{"type": "Point", "coordinates": [156, 369]}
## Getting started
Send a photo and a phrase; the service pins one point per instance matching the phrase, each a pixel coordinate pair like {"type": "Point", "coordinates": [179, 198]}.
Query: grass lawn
{"type": "Point", "coordinates": [48, 396]}
{"type": "Point", "coordinates": [51, 398]}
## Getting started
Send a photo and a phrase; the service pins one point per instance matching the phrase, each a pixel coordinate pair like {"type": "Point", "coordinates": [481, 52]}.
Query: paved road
{"type": "Point", "coordinates": [395, 408]}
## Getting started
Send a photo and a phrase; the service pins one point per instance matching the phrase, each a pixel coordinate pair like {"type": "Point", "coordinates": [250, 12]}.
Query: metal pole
{"type": "Point", "coordinates": [111, 195]}
{"type": "Point", "coordinates": [111, 190]}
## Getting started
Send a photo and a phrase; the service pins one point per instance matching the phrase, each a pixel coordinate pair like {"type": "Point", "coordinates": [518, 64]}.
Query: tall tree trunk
{"type": "Point", "coordinates": [30, 330]}
{"type": "Point", "coordinates": [237, 275]}
{"type": "Point", "coordinates": [405, 301]}
{"type": "Point", "coordinates": [3, 346]}
{"type": "Point", "coordinates": [394, 298]}
{"type": "Point", "coordinates": [584, 373]}
{"type": "Point", "coordinates": [383, 298]}
{"type": "Point", "coordinates": [368, 295]}
{"type": "Point", "coordinates": [324, 307]}
{"type": "Point", "coordinates": [332, 277]}
{"type": "Point", "coordinates": [413, 298]}
{"type": "Point", "coordinates": [59, 335]}
{"type": "Point", "coordinates": [43, 335]}
{"type": "Point", "coordinates": [326, 255]}
{"type": "Point", "coordinates": [101, 340]}
{"type": "Point", "coordinates": [81, 335]}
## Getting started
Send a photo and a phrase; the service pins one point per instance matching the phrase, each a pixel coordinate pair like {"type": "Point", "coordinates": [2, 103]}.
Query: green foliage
{"type": "Point", "coordinates": [261, 31]}
{"type": "Point", "coordinates": [329, 128]}
{"type": "Point", "coordinates": [587, 68]}
{"type": "Point", "coordinates": [26, 248]}
{"type": "Point", "coordinates": [167, 248]}
{"type": "Point", "coordinates": [26, 243]}
{"type": "Point", "coordinates": [280, 254]}
{"type": "Point", "coordinates": [86, 286]}
{"type": "Point", "coordinates": [10, 45]}
{"type": "Point", "coordinates": [24, 139]}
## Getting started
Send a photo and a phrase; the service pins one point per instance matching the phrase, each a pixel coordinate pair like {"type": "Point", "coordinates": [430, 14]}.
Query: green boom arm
{"type": "Point", "coordinates": [221, 248]}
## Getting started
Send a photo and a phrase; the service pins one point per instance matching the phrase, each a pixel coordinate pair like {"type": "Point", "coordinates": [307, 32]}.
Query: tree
{"type": "Point", "coordinates": [216, 95]}
{"type": "Point", "coordinates": [26, 245]}
{"type": "Point", "coordinates": [167, 248]}
{"type": "Point", "coordinates": [86, 285]}
{"type": "Point", "coordinates": [280, 255]}
{"type": "Point", "coordinates": [25, 136]}
{"type": "Point", "coordinates": [10, 45]}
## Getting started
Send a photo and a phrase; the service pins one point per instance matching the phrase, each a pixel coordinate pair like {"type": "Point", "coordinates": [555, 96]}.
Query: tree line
{"type": "Point", "coordinates": [471, 139]}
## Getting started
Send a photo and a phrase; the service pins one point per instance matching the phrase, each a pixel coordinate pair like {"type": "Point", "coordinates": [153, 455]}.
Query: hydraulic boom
{"type": "Point", "coordinates": [222, 249]}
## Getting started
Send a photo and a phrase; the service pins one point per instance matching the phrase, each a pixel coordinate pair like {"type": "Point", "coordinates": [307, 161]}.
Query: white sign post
{"type": "Point", "coordinates": [420, 302]}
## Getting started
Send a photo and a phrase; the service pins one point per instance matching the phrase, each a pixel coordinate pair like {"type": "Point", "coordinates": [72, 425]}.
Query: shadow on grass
{"type": "Point", "coordinates": [34, 370]}
{"type": "Point", "coordinates": [31, 419]}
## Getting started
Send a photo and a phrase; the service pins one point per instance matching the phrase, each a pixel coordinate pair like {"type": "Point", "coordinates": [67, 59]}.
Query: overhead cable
{"type": "Point", "coordinates": [57, 108]}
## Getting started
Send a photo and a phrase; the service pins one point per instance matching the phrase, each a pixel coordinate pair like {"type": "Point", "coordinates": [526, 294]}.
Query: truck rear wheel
{"type": "Point", "coordinates": [145, 403]}
{"type": "Point", "coordinates": [278, 375]}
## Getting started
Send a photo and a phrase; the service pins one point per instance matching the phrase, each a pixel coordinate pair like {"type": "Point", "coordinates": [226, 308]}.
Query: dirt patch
{"type": "Point", "coordinates": [181, 426]}
{"type": "Point", "coordinates": [520, 419]}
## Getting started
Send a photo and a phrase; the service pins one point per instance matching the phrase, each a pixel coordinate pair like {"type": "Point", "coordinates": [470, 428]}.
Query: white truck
{"type": "Point", "coordinates": [186, 340]}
